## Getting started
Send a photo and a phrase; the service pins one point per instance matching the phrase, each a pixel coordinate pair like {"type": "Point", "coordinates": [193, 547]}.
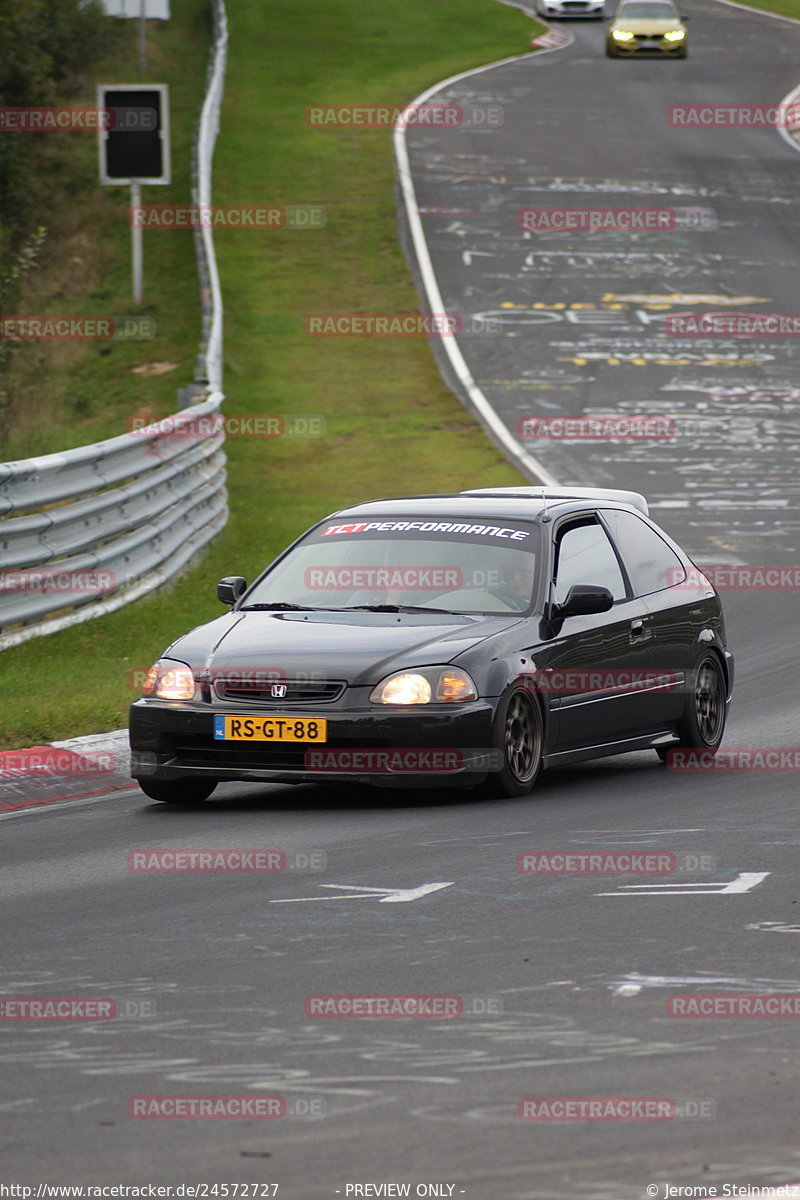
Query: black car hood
{"type": "Point", "coordinates": [360, 648]}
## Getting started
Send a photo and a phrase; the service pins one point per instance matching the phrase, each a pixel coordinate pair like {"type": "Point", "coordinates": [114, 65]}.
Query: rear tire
{"type": "Point", "coordinates": [703, 724]}
{"type": "Point", "coordinates": [177, 791]}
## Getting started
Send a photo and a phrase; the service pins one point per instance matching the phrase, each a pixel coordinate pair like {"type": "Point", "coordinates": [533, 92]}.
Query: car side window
{"type": "Point", "coordinates": [651, 564]}
{"type": "Point", "coordinates": [585, 555]}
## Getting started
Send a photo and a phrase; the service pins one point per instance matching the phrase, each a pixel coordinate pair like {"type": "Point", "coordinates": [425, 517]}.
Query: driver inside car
{"type": "Point", "coordinates": [513, 581]}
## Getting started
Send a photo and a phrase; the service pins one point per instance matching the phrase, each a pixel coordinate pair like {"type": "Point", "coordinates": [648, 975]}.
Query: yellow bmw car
{"type": "Point", "coordinates": [646, 27]}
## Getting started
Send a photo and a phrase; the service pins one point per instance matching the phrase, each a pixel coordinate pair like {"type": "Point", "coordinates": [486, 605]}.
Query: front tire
{"type": "Point", "coordinates": [177, 791]}
{"type": "Point", "coordinates": [519, 738]}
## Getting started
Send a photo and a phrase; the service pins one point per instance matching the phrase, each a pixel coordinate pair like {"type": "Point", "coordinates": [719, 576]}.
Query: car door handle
{"type": "Point", "coordinates": [637, 628]}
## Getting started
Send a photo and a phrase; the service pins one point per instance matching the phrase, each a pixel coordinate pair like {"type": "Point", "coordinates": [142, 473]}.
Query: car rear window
{"type": "Point", "coordinates": [651, 564]}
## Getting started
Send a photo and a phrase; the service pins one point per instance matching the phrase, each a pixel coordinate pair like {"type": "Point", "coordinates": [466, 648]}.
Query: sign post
{"type": "Point", "coordinates": [136, 243]}
{"type": "Point", "coordinates": [133, 147]}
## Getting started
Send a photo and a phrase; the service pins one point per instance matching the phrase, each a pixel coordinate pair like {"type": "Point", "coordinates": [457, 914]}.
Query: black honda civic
{"type": "Point", "coordinates": [469, 639]}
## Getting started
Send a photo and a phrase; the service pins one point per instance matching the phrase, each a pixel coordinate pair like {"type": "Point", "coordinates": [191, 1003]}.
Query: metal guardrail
{"type": "Point", "coordinates": [88, 530]}
{"type": "Point", "coordinates": [205, 137]}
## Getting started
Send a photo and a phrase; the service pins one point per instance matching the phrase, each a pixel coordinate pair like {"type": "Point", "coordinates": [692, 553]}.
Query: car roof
{"type": "Point", "coordinates": [552, 495]}
{"type": "Point", "coordinates": [522, 503]}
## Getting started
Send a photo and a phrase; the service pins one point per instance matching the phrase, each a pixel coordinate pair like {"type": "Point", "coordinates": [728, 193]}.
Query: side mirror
{"type": "Point", "coordinates": [231, 588]}
{"type": "Point", "coordinates": [584, 599]}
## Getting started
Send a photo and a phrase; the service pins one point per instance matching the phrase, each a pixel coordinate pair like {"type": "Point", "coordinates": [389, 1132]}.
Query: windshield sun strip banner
{"type": "Point", "coordinates": [516, 534]}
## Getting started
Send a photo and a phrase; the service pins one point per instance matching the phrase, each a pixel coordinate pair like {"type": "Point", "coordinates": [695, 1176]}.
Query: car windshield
{"type": "Point", "coordinates": [452, 566]}
{"type": "Point", "coordinates": [647, 11]}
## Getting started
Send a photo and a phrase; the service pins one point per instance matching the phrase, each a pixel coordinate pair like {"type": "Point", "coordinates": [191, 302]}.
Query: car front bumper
{"type": "Point", "coordinates": [638, 50]}
{"type": "Point", "coordinates": [587, 9]}
{"type": "Point", "coordinates": [437, 746]}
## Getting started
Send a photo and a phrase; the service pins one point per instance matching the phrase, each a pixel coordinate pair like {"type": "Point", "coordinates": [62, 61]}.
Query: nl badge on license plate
{"type": "Point", "coordinates": [270, 729]}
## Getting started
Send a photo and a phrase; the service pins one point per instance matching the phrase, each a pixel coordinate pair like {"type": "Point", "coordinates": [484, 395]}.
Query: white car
{"type": "Point", "coordinates": [571, 8]}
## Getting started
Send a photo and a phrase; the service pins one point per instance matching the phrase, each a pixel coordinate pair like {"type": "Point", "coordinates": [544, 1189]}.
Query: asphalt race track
{"type": "Point", "coordinates": [563, 979]}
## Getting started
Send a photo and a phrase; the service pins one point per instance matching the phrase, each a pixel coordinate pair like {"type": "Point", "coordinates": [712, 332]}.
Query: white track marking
{"type": "Point", "coordinates": [382, 895]}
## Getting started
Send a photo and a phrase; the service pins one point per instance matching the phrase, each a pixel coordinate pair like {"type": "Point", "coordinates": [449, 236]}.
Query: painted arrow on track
{"type": "Point", "coordinates": [382, 895]}
{"type": "Point", "coordinates": [745, 881]}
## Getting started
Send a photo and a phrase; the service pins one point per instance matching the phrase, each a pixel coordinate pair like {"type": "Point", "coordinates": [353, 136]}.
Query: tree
{"type": "Point", "coordinates": [47, 47]}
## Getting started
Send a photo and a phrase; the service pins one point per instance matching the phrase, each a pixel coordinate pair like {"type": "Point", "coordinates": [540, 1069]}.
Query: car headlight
{"type": "Point", "coordinates": [674, 35]}
{"type": "Point", "coordinates": [443, 684]}
{"type": "Point", "coordinates": [622, 35]}
{"type": "Point", "coordinates": [169, 680]}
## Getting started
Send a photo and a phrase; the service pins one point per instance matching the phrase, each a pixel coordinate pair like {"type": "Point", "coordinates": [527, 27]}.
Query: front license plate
{"type": "Point", "coordinates": [270, 729]}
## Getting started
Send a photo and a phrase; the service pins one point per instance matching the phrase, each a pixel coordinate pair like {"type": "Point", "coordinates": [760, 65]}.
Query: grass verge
{"type": "Point", "coordinates": [391, 425]}
{"type": "Point", "coordinates": [784, 8]}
